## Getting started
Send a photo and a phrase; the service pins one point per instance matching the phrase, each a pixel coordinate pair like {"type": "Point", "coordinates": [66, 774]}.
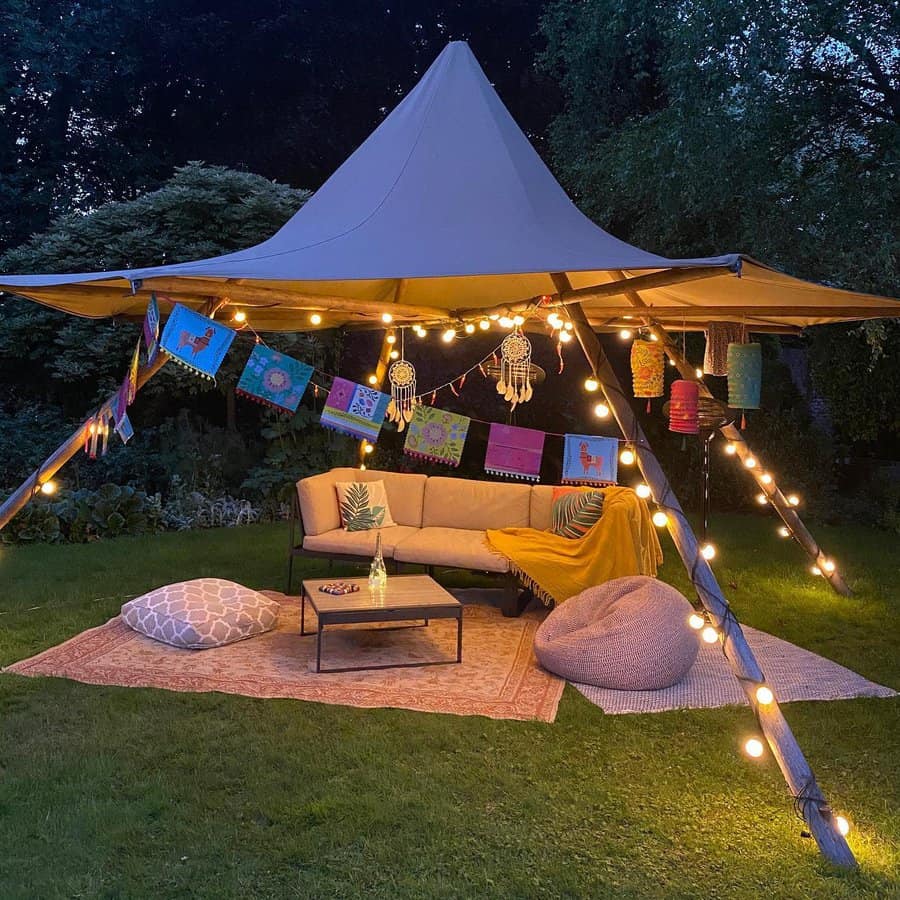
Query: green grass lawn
{"type": "Point", "coordinates": [114, 792]}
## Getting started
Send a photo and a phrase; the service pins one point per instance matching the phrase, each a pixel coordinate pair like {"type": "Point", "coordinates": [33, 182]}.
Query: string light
{"type": "Point", "coordinates": [730, 448]}
{"type": "Point", "coordinates": [373, 379]}
{"type": "Point", "coordinates": [709, 634]}
{"type": "Point", "coordinates": [643, 491]}
{"type": "Point", "coordinates": [764, 695]}
{"type": "Point", "coordinates": [484, 324]}
{"type": "Point", "coordinates": [828, 566]}
{"type": "Point", "coordinates": [793, 499]}
{"type": "Point", "coordinates": [843, 826]}
{"type": "Point", "coordinates": [554, 321]}
{"type": "Point", "coordinates": [315, 319]}
{"type": "Point", "coordinates": [653, 337]}
{"type": "Point", "coordinates": [754, 747]}
{"type": "Point", "coordinates": [765, 478]}
{"type": "Point", "coordinates": [391, 339]}
{"type": "Point", "coordinates": [672, 363]}
{"type": "Point", "coordinates": [568, 326]}
{"type": "Point", "coordinates": [784, 531]}
{"type": "Point", "coordinates": [420, 331]}
{"type": "Point", "coordinates": [48, 488]}
{"type": "Point", "coordinates": [660, 519]}
{"type": "Point", "coordinates": [387, 318]}
{"type": "Point", "coordinates": [367, 447]}
{"type": "Point", "coordinates": [815, 570]}
{"type": "Point", "coordinates": [696, 621]}
{"type": "Point", "coordinates": [565, 337]}
{"type": "Point", "coordinates": [518, 320]}
{"type": "Point", "coordinates": [625, 334]}
{"type": "Point", "coordinates": [762, 499]}
{"type": "Point", "coordinates": [448, 335]}
{"type": "Point", "coordinates": [506, 322]}
{"type": "Point", "coordinates": [240, 316]}
{"type": "Point", "coordinates": [708, 551]}
{"type": "Point", "coordinates": [750, 462]}
{"type": "Point", "coordinates": [601, 410]}
{"type": "Point", "coordinates": [394, 354]}
{"type": "Point", "coordinates": [470, 328]}
{"type": "Point", "coordinates": [362, 467]}
{"type": "Point", "coordinates": [698, 373]}
{"type": "Point", "coordinates": [591, 384]}
{"type": "Point", "coordinates": [626, 457]}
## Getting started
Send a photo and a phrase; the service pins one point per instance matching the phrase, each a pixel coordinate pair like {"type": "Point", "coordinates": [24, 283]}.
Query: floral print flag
{"type": "Point", "coordinates": [355, 409]}
{"type": "Point", "coordinates": [195, 341]}
{"type": "Point", "coordinates": [436, 435]}
{"type": "Point", "coordinates": [589, 459]}
{"type": "Point", "coordinates": [275, 379]}
{"type": "Point", "coordinates": [515, 452]}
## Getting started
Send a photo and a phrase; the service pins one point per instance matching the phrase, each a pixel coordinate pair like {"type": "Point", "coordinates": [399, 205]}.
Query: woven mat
{"type": "Point", "coordinates": [499, 676]}
{"type": "Point", "coordinates": [792, 672]}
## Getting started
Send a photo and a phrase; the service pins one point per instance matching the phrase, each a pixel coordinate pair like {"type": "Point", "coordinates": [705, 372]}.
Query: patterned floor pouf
{"type": "Point", "coordinates": [203, 613]}
{"type": "Point", "coordinates": [629, 634]}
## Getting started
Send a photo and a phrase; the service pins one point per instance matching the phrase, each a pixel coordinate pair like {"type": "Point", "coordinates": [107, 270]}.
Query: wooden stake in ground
{"type": "Point", "coordinates": [780, 738]}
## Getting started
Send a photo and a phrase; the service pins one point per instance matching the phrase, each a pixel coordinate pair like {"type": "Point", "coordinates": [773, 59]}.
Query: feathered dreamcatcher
{"type": "Point", "coordinates": [402, 378]}
{"type": "Point", "coordinates": [514, 383]}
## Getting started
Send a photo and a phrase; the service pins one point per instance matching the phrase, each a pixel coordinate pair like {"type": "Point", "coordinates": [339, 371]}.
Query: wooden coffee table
{"type": "Point", "coordinates": [405, 598]}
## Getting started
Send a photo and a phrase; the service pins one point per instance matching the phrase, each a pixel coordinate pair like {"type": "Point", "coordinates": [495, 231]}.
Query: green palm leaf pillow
{"type": "Point", "coordinates": [575, 511]}
{"type": "Point", "coordinates": [363, 505]}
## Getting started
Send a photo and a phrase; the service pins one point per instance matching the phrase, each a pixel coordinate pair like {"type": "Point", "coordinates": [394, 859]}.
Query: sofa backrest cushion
{"type": "Point", "coordinates": [405, 493]}
{"type": "Point", "coordinates": [477, 505]}
{"type": "Point", "coordinates": [541, 506]}
{"type": "Point", "coordinates": [318, 500]}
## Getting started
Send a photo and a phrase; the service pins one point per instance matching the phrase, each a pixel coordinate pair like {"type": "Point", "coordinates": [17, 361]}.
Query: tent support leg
{"type": "Point", "coordinates": [780, 738]}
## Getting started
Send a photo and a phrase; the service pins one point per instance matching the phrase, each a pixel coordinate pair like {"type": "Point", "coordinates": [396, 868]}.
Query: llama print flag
{"type": "Point", "coordinates": [196, 342]}
{"type": "Point", "coordinates": [355, 410]}
{"type": "Point", "coordinates": [588, 459]}
{"type": "Point", "coordinates": [275, 379]}
{"type": "Point", "coordinates": [514, 452]}
{"type": "Point", "coordinates": [436, 435]}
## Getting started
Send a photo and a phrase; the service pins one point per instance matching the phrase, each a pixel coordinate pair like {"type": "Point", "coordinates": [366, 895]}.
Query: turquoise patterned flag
{"type": "Point", "coordinates": [195, 341]}
{"type": "Point", "coordinates": [355, 409]}
{"type": "Point", "coordinates": [275, 379]}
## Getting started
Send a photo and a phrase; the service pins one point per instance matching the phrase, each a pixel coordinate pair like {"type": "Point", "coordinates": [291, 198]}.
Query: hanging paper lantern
{"type": "Point", "coordinates": [744, 375]}
{"type": "Point", "coordinates": [647, 368]}
{"type": "Point", "coordinates": [402, 378]}
{"type": "Point", "coordinates": [684, 408]}
{"type": "Point", "coordinates": [515, 369]}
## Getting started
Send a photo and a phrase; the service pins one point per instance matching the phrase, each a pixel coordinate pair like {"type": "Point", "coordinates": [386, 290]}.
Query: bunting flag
{"type": "Point", "coordinates": [151, 330]}
{"type": "Point", "coordinates": [514, 452]}
{"type": "Point", "coordinates": [274, 379]}
{"type": "Point", "coordinates": [436, 435]}
{"type": "Point", "coordinates": [589, 459]}
{"type": "Point", "coordinates": [195, 341]}
{"type": "Point", "coordinates": [355, 409]}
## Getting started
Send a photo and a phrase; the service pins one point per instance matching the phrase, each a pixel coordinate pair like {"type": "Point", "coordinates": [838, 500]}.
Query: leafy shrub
{"type": "Point", "coordinates": [35, 523]}
{"type": "Point", "coordinates": [184, 509]}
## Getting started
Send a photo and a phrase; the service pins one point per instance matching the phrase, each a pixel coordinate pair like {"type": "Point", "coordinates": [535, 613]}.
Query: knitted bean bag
{"type": "Point", "coordinates": [630, 634]}
{"type": "Point", "coordinates": [203, 613]}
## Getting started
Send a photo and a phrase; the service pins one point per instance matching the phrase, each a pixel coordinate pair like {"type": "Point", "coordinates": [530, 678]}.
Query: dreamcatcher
{"type": "Point", "coordinates": [402, 378]}
{"type": "Point", "coordinates": [515, 369]}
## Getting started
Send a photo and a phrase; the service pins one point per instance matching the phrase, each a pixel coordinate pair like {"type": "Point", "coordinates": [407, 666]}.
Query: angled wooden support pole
{"type": "Point", "coordinates": [780, 738]}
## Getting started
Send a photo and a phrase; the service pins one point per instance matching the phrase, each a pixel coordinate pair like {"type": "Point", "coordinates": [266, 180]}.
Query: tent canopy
{"type": "Point", "coordinates": [447, 211]}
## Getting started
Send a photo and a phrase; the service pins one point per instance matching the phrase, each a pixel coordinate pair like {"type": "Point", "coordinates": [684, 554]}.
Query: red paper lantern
{"type": "Point", "coordinates": [683, 409]}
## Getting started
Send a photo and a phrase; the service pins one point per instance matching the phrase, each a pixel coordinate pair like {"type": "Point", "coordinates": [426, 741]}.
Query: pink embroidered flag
{"type": "Point", "coordinates": [514, 452]}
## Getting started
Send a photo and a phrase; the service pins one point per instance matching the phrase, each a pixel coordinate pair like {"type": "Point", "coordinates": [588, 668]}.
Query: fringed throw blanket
{"type": "Point", "coordinates": [623, 542]}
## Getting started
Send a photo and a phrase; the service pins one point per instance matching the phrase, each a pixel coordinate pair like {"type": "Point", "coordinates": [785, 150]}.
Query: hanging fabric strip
{"type": "Point", "coordinates": [274, 379]}
{"type": "Point", "coordinates": [195, 341]}
{"type": "Point", "coordinates": [355, 409]}
{"type": "Point", "coordinates": [590, 459]}
{"type": "Point", "coordinates": [151, 330]}
{"type": "Point", "coordinates": [515, 452]}
{"type": "Point", "coordinates": [437, 435]}
{"type": "Point", "coordinates": [718, 336]}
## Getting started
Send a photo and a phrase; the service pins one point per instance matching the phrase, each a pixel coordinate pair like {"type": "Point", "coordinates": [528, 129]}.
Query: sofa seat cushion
{"type": "Point", "coordinates": [358, 543]}
{"type": "Point", "coordinates": [460, 548]}
{"type": "Point", "coordinates": [203, 613]}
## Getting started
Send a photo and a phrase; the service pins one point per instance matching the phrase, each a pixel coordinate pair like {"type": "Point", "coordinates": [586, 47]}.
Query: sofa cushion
{"type": "Point", "coordinates": [363, 505]}
{"type": "Point", "coordinates": [461, 548]}
{"type": "Point", "coordinates": [477, 505]}
{"type": "Point", "coordinates": [405, 493]}
{"type": "Point", "coordinates": [358, 543]}
{"type": "Point", "coordinates": [540, 515]}
{"type": "Point", "coordinates": [203, 613]}
{"type": "Point", "coordinates": [318, 500]}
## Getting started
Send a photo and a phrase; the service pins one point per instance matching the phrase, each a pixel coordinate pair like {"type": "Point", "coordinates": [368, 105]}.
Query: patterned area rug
{"type": "Point", "coordinates": [499, 676]}
{"type": "Point", "coordinates": [792, 672]}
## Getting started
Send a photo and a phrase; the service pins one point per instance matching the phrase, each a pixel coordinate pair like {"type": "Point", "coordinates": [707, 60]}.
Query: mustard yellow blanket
{"type": "Point", "coordinates": [623, 542]}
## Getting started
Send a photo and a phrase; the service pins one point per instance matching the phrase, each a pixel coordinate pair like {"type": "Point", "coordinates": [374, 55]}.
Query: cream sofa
{"type": "Point", "coordinates": [441, 522]}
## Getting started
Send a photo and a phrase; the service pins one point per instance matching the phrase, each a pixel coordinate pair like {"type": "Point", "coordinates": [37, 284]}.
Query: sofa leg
{"type": "Point", "coordinates": [290, 574]}
{"type": "Point", "coordinates": [515, 599]}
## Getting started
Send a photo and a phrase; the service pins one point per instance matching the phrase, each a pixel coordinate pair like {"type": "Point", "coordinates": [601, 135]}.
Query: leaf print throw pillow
{"type": "Point", "coordinates": [575, 511]}
{"type": "Point", "coordinates": [363, 505]}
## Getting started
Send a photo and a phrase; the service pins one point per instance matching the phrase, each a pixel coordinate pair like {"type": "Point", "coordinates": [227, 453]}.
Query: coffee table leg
{"type": "Point", "coordinates": [319, 647]}
{"type": "Point", "coordinates": [459, 638]}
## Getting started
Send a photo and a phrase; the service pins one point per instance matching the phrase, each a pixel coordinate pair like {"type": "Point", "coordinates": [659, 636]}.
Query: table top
{"type": "Point", "coordinates": [401, 592]}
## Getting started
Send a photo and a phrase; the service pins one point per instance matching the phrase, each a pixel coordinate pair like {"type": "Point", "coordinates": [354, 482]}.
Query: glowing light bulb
{"type": "Point", "coordinates": [470, 328]}
{"type": "Point", "coordinates": [672, 362]}
{"type": "Point", "coordinates": [828, 565]}
{"type": "Point", "coordinates": [367, 447]}
{"type": "Point", "coordinates": [709, 634]}
{"type": "Point", "coordinates": [568, 326]}
{"type": "Point", "coordinates": [373, 379]}
{"type": "Point", "coordinates": [784, 531]}
{"type": "Point", "coordinates": [484, 324]}
{"type": "Point", "coordinates": [626, 457]}
{"type": "Point", "coordinates": [315, 319]}
{"type": "Point", "coordinates": [765, 478]}
{"type": "Point", "coordinates": [696, 621]}
{"type": "Point", "coordinates": [764, 695]}
{"type": "Point", "coordinates": [554, 321]}
{"type": "Point", "coordinates": [518, 320]}
{"type": "Point", "coordinates": [815, 570]}
{"type": "Point", "coordinates": [506, 322]}
{"type": "Point", "coordinates": [387, 318]}
{"type": "Point", "coordinates": [793, 499]}
{"type": "Point", "coordinates": [391, 339]}
{"type": "Point", "coordinates": [730, 449]}
{"type": "Point", "coordinates": [420, 331]}
{"type": "Point", "coordinates": [48, 488]}
{"type": "Point", "coordinates": [601, 410]}
{"type": "Point", "coordinates": [394, 354]}
{"type": "Point", "coordinates": [698, 373]}
{"type": "Point", "coordinates": [591, 384]}
{"type": "Point", "coordinates": [625, 334]}
{"type": "Point", "coordinates": [754, 748]}
{"type": "Point", "coordinates": [843, 826]}
{"type": "Point", "coordinates": [750, 462]}
{"type": "Point", "coordinates": [762, 499]}
{"type": "Point", "coordinates": [708, 551]}
{"type": "Point", "coordinates": [565, 337]}
{"type": "Point", "coordinates": [240, 316]}
{"type": "Point", "coordinates": [448, 335]}
{"type": "Point", "coordinates": [643, 491]}
{"type": "Point", "coordinates": [494, 317]}
{"type": "Point", "coordinates": [660, 519]}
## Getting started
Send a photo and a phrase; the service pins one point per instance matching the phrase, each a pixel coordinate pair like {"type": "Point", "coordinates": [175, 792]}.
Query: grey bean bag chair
{"type": "Point", "coordinates": [630, 634]}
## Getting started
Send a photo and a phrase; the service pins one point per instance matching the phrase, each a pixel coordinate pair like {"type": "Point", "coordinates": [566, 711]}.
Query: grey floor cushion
{"type": "Point", "coordinates": [629, 634]}
{"type": "Point", "coordinates": [203, 613]}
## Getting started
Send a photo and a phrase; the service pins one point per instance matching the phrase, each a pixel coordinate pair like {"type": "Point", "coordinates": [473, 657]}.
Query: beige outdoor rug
{"type": "Point", "coordinates": [792, 672]}
{"type": "Point", "coordinates": [499, 676]}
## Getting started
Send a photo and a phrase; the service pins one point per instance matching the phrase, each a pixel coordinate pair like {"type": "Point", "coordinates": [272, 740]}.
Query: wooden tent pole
{"type": "Point", "coordinates": [781, 740]}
